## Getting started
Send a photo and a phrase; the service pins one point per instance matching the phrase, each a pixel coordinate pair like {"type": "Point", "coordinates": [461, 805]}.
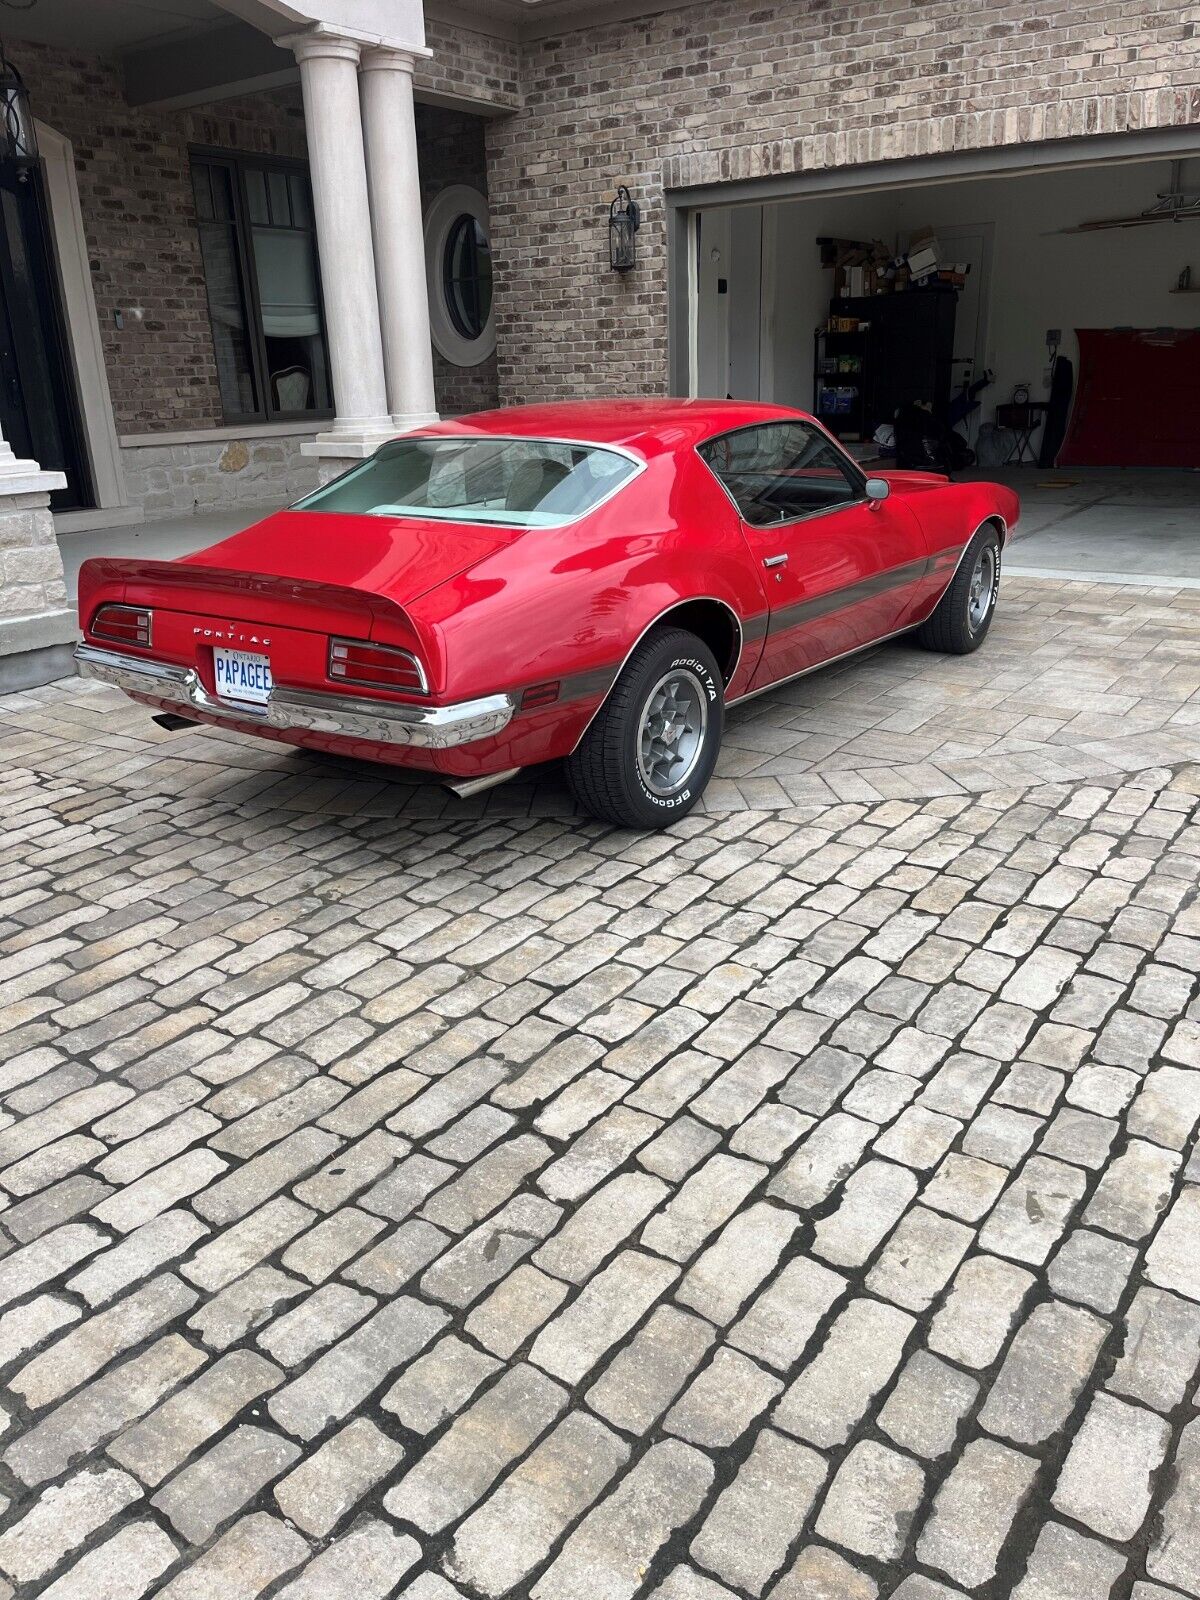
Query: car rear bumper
{"type": "Point", "coordinates": [301, 710]}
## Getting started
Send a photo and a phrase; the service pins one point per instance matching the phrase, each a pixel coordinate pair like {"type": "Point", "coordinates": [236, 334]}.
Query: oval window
{"type": "Point", "coordinates": [467, 276]}
{"type": "Point", "coordinates": [458, 271]}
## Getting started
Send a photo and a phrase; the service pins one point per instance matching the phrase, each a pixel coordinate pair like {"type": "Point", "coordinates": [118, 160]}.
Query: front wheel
{"type": "Point", "coordinates": [651, 748]}
{"type": "Point", "coordinates": [963, 615]}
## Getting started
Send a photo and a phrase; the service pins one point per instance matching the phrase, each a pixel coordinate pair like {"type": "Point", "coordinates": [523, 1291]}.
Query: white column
{"type": "Point", "coordinates": [333, 122]}
{"type": "Point", "coordinates": [390, 131]}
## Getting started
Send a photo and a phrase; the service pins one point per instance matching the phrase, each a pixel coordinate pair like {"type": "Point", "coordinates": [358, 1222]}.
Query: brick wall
{"type": "Point", "coordinates": [469, 65]}
{"type": "Point", "coordinates": [733, 90]}
{"type": "Point", "coordinates": [135, 195]}
{"type": "Point", "coordinates": [451, 150]}
{"type": "Point", "coordinates": [136, 198]}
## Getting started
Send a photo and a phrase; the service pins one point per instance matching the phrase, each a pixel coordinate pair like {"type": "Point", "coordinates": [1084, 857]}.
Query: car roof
{"type": "Point", "coordinates": [645, 426]}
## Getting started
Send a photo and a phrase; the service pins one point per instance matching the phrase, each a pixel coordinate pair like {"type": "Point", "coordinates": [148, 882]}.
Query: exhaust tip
{"type": "Point", "coordinates": [465, 787]}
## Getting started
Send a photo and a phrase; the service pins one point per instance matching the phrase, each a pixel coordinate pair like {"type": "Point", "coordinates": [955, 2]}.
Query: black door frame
{"type": "Point", "coordinates": [39, 368]}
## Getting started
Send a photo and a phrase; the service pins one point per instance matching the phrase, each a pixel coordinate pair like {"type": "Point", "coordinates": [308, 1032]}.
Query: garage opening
{"type": "Point", "coordinates": [1038, 328]}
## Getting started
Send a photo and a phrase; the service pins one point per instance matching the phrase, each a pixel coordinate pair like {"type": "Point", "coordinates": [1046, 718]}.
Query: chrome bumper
{"type": "Point", "coordinates": [380, 721]}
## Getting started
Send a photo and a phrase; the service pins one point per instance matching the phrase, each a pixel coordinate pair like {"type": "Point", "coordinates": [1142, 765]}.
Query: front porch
{"type": "Point", "coordinates": [158, 538]}
{"type": "Point", "coordinates": [228, 230]}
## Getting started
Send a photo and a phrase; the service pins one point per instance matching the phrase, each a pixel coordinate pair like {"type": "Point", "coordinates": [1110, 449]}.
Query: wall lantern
{"type": "Point", "coordinates": [18, 142]}
{"type": "Point", "coordinates": [624, 220]}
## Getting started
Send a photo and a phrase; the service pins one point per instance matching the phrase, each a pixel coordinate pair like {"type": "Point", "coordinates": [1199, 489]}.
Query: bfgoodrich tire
{"type": "Point", "coordinates": [963, 615]}
{"type": "Point", "coordinates": [652, 747]}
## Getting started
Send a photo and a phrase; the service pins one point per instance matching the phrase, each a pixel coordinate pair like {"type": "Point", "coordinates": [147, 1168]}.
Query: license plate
{"type": "Point", "coordinates": [242, 676]}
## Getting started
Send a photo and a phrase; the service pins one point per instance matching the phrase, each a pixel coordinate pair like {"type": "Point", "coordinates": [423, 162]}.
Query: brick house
{"type": "Point", "coordinates": [259, 236]}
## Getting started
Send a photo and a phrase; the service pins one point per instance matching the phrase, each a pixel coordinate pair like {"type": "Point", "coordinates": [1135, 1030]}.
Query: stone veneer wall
{"type": "Point", "coordinates": [729, 90]}
{"type": "Point", "coordinates": [31, 574]}
{"type": "Point", "coordinates": [37, 626]}
{"type": "Point", "coordinates": [177, 479]}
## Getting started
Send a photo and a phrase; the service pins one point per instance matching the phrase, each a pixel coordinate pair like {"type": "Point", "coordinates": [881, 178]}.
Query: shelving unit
{"type": "Point", "coordinates": [905, 352]}
{"type": "Point", "coordinates": [848, 424]}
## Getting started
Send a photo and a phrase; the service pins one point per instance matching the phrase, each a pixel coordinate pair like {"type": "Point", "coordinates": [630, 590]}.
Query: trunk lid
{"type": "Point", "coordinates": [321, 572]}
{"type": "Point", "coordinates": [398, 558]}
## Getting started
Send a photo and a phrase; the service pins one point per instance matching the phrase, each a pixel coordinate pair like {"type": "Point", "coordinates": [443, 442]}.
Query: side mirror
{"type": "Point", "coordinates": [878, 490]}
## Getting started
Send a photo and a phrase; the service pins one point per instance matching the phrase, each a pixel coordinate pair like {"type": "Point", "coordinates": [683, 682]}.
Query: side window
{"type": "Point", "coordinates": [781, 471]}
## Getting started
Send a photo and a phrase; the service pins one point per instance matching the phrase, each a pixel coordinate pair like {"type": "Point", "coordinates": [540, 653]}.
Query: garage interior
{"type": "Point", "coordinates": [1080, 343]}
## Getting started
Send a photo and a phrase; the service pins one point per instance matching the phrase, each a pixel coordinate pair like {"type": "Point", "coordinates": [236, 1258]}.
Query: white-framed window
{"type": "Point", "coordinates": [458, 270]}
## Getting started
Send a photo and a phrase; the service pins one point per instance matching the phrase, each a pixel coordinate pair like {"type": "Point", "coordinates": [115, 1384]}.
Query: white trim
{"type": "Point", "coordinates": [455, 201]}
{"type": "Point", "coordinates": [325, 38]}
{"type": "Point", "coordinates": [568, 16]}
{"type": "Point", "coordinates": [693, 294]}
{"type": "Point", "coordinates": [19, 477]}
{"type": "Point", "coordinates": [254, 430]}
{"type": "Point", "coordinates": [88, 520]}
{"type": "Point", "coordinates": [79, 310]}
{"type": "Point", "coordinates": [767, 301]}
{"type": "Point", "coordinates": [40, 631]}
{"type": "Point", "coordinates": [347, 446]}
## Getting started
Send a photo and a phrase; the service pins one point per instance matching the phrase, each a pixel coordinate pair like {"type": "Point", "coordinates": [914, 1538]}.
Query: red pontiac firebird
{"type": "Point", "coordinates": [593, 583]}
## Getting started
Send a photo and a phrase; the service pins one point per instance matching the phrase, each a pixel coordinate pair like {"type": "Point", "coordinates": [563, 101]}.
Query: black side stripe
{"type": "Point", "coordinates": [584, 685]}
{"type": "Point", "coordinates": [838, 599]}
{"type": "Point", "coordinates": [579, 686]}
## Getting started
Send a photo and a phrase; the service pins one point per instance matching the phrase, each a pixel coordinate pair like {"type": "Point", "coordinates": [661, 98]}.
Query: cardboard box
{"type": "Point", "coordinates": [922, 261]}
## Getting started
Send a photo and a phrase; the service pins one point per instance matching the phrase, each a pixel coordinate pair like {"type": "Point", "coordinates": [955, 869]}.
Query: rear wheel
{"type": "Point", "coordinates": [652, 746]}
{"type": "Point", "coordinates": [963, 615]}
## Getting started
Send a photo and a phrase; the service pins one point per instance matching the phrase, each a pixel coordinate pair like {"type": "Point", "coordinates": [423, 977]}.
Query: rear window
{"type": "Point", "coordinates": [520, 483]}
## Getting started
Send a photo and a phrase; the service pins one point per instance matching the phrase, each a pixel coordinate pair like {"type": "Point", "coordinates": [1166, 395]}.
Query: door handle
{"type": "Point", "coordinates": [775, 561]}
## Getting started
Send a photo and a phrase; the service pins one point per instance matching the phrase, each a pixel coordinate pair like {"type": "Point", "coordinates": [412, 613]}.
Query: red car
{"type": "Point", "coordinates": [592, 582]}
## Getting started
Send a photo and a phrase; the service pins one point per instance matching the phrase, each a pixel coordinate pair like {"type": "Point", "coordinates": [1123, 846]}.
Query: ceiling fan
{"type": "Point", "coordinates": [1175, 204]}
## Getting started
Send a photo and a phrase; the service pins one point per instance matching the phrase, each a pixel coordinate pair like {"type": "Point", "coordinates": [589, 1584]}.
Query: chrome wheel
{"type": "Point", "coordinates": [982, 592]}
{"type": "Point", "coordinates": [671, 731]}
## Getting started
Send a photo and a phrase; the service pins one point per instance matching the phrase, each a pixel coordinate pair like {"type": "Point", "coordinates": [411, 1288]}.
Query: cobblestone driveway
{"type": "Point", "coordinates": [801, 1206]}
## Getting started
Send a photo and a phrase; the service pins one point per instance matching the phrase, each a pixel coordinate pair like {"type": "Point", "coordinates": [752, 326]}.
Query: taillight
{"type": "Point", "coordinates": [379, 666]}
{"type": "Point", "coordinates": [122, 624]}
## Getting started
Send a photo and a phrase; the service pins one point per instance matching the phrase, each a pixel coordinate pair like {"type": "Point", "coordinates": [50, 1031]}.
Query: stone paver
{"type": "Point", "coordinates": [974, 1511]}
{"type": "Point", "coordinates": [746, 1535]}
{"type": "Point", "coordinates": [872, 1502]}
{"type": "Point", "coordinates": [1107, 1479]}
{"type": "Point", "coordinates": [400, 1196]}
